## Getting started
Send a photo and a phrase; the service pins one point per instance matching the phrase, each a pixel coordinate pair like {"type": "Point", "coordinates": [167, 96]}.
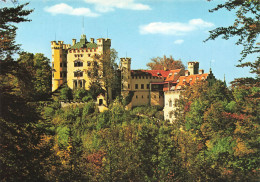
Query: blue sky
{"type": "Point", "coordinates": [140, 29]}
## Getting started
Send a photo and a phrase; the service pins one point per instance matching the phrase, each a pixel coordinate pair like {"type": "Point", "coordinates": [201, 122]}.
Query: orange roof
{"type": "Point", "coordinates": [172, 74]}
{"type": "Point", "coordinates": [191, 79]}
{"type": "Point", "coordinates": [157, 73]}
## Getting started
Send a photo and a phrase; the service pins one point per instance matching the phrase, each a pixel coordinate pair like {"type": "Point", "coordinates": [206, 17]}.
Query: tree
{"type": "Point", "coordinates": [219, 126]}
{"type": "Point", "coordinates": [246, 27]}
{"type": "Point", "coordinates": [20, 129]}
{"type": "Point", "coordinates": [109, 71]}
{"type": "Point", "coordinates": [38, 69]}
{"type": "Point", "coordinates": [159, 63]}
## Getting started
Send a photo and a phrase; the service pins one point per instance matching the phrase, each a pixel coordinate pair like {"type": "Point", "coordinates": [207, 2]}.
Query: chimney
{"type": "Point", "coordinates": [186, 73]}
{"type": "Point", "coordinates": [201, 71]}
{"type": "Point", "coordinates": [92, 40]}
{"type": "Point", "coordinates": [73, 42]}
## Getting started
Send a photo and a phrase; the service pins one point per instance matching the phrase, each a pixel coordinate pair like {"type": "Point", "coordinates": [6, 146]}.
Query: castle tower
{"type": "Point", "coordinates": [125, 66]}
{"type": "Point", "coordinates": [193, 68]}
{"type": "Point", "coordinates": [59, 63]}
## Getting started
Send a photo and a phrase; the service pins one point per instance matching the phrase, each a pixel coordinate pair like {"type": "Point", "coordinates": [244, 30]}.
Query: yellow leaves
{"type": "Point", "coordinates": [209, 144]}
{"type": "Point", "coordinates": [241, 148]}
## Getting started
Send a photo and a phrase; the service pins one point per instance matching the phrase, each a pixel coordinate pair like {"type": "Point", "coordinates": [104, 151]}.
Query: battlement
{"type": "Point", "coordinates": [193, 68]}
{"type": "Point", "coordinates": [59, 45]}
{"type": "Point", "coordinates": [103, 41]}
{"type": "Point", "coordinates": [126, 60]}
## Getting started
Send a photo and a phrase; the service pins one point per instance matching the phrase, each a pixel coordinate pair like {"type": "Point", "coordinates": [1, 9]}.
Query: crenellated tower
{"type": "Point", "coordinates": [193, 68]}
{"type": "Point", "coordinates": [125, 66]}
{"type": "Point", "coordinates": [59, 63]}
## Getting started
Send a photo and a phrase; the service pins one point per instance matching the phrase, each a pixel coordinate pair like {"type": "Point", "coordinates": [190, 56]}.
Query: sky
{"type": "Point", "coordinates": [140, 29]}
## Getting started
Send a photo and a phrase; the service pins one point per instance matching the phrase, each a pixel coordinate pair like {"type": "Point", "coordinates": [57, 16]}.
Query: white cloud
{"type": "Point", "coordinates": [110, 5]}
{"type": "Point", "coordinates": [63, 8]}
{"type": "Point", "coordinates": [180, 41]}
{"type": "Point", "coordinates": [174, 28]}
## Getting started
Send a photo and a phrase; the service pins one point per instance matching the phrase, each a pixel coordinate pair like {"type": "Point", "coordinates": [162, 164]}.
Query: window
{"type": "Point", "coordinates": [170, 115]}
{"type": "Point", "coordinates": [88, 55]}
{"type": "Point", "coordinates": [148, 86]}
{"type": "Point", "coordinates": [95, 63]}
{"type": "Point", "coordinates": [78, 74]}
{"type": "Point", "coordinates": [60, 64]}
{"type": "Point", "coordinates": [128, 86]}
{"type": "Point", "coordinates": [136, 96]}
{"type": "Point", "coordinates": [139, 77]}
{"type": "Point", "coordinates": [75, 84]}
{"type": "Point", "coordinates": [78, 63]}
{"type": "Point", "coordinates": [89, 73]}
{"type": "Point", "coordinates": [89, 64]}
{"type": "Point", "coordinates": [136, 86]}
{"type": "Point", "coordinates": [61, 74]}
{"type": "Point", "coordinates": [64, 74]}
{"type": "Point", "coordinates": [142, 96]}
{"type": "Point", "coordinates": [80, 83]}
{"type": "Point", "coordinates": [142, 86]}
{"type": "Point", "coordinates": [53, 75]}
{"type": "Point", "coordinates": [65, 64]}
{"type": "Point", "coordinates": [170, 103]}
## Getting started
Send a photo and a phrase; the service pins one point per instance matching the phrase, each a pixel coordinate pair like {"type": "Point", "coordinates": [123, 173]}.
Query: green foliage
{"type": "Point", "coordinates": [79, 94]}
{"type": "Point", "coordinates": [23, 153]}
{"type": "Point", "coordinates": [219, 128]}
{"type": "Point", "coordinates": [66, 94]}
{"type": "Point", "coordinates": [95, 89]}
{"type": "Point", "coordinates": [245, 28]}
{"type": "Point", "coordinates": [38, 72]}
{"type": "Point", "coordinates": [128, 98]}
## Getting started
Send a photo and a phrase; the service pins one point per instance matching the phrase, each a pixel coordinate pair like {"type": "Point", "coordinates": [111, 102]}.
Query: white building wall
{"type": "Point", "coordinates": [169, 104]}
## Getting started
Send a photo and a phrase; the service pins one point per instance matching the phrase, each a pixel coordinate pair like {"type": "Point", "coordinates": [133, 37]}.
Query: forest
{"type": "Point", "coordinates": [215, 136]}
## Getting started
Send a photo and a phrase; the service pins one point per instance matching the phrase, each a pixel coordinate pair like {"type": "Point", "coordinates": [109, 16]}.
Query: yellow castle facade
{"type": "Point", "coordinates": [76, 64]}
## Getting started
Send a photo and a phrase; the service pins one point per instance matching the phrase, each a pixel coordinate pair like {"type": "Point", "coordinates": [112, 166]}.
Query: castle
{"type": "Point", "coordinates": [74, 64]}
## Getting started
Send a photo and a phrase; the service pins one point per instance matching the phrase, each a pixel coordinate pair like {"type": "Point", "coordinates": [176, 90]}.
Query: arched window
{"type": "Point", "coordinates": [78, 63]}
{"type": "Point", "coordinates": [170, 115]}
{"type": "Point", "coordinates": [170, 103]}
{"type": "Point", "coordinates": [78, 73]}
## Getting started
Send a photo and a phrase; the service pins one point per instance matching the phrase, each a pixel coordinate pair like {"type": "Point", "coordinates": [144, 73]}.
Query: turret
{"type": "Point", "coordinates": [125, 66]}
{"type": "Point", "coordinates": [59, 63]}
{"type": "Point", "coordinates": [103, 44]}
{"type": "Point", "coordinates": [193, 68]}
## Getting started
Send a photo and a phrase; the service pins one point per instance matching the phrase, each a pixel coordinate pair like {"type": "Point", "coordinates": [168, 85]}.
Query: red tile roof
{"type": "Point", "coordinates": [184, 80]}
{"type": "Point", "coordinates": [162, 73]}
{"type": "Point", "coordinates": [171, 76]}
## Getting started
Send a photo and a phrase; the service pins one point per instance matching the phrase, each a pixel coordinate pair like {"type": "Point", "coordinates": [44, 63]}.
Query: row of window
{"type": "Point", "coordinates": [82, 50]}
{"type": "Point", "coordinates": [80, 73]}
{"type": "Point", "coordinates": [171, 103]}
{"type": "Point", "coordinates": [78, 84]}
{"type": "Point", "coordinates": [80, 63]}
{"type": "Point", "coordinates": [76, 74]}
{"type": "Point", "coordinates": [63, 64]}
{"type": "Point", "coordinates": [142, 86]}
{"type": "Point", "coordinates": [62, 74]}
{"type": "Point", "coordinates": [81, 55]}
{"type": "Point", "coordinates": [147, 96]}
{"type": "Point", "coordinates": [145, 77]}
